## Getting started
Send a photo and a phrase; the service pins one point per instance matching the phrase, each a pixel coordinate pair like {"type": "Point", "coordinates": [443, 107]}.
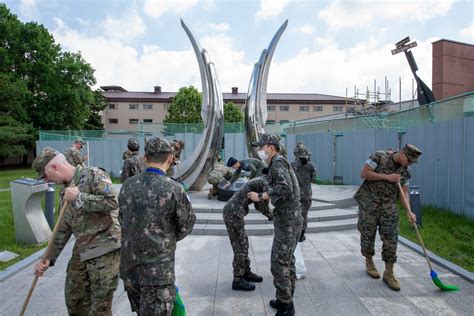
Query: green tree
{"type": "Point", "coordinates": [233, 118]}
{"type": "Point", "coordinates": [95, 119]}
{"type": "Point", "coordinates": [185, 109]}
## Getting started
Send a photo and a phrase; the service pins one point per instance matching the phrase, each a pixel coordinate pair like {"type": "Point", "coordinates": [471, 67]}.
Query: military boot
{"type": "Point", "coordinates": [252, 277]}
{"type": "Point", "coordinates": [286, 309]}
{"type": "Point", "coordinates": [240, 284]}
{"type": "Point", "coordinates": [210, 194]}
{"type": "Point", "coordinates": [302, 236]}
{"type": "Point", "coordinates": [371, 268]}
{"type": "Point", "coordinates": [389, 278]}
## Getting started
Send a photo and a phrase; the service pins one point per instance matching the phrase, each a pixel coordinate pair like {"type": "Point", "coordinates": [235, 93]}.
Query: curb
{"type": "Point", "coordinates": [469, 276]}
{"type": "Point", "coordinates": [20, 265]}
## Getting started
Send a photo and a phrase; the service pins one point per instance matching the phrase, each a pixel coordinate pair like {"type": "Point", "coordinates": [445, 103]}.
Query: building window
{"type": "Point", "coordinates": [148, 106]}
{"type": "Point", "coordinates": [147, 120]}
{"type": "Point", "coordinates": [317, 108]}
{"type": "Point", "coordinates": [113, 121]}
{"type": "Point", "coordinates": [113, 106]}
{"type": "Point", "coordinates": [304, 108]}
{"type": "Point", "coordinates": [337, 108]}
{"type": "Point", "coordinates": [133, 106]}
{"type": "Point", "coordinates": [133, 121]}
{"type": "Point", "coordinates": [270, 121]}
{"type": "Point", "coordinates": [270, 108]}
{"type": "Point", "coordinates": [284, 108]}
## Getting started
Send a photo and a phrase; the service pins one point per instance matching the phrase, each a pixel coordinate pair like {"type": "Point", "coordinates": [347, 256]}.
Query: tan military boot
{"type": "Point", "coordinates": [389, 278]}
{"type": "Point", "coordinates": [371, 268]}
{"type": "Point", "coordinates": [210, 194]}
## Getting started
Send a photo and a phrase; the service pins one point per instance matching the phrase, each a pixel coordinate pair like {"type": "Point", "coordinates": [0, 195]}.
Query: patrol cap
{"type": "Point", "coordinates": [232, 161]}
{"type": "Point", "coordinates": [412, 152]}
{"type": "Point", "coordinates": [303, 152]}
{"type": "Point", "coordinates": [133, 144]}
{"type": "Point", "coordinates": [80, 141]}
{"type": "Point", "coordinates": [267, 139]}
{"type": "Point", "coordinates": [157, 145]}
{"type": "Point", "coordinates": [46, 155]}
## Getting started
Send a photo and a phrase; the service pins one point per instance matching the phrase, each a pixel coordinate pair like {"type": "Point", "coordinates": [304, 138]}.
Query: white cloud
{"type": "Point", "coordinates": [307, 29]}
{"type": "Point", "coordinates": [271, 9]}
{"type": "Point", "coordinates": [126, 27]}
{"type": "Point", "coordinates": [156, 8]}
{"type": "Point", "coordinates": [362, 13]}
{"type": "Point", "coordinates": [220, 27]}
{"type": "Point", "coordinates": [468, 32]}
{"type": "Point", "coordinates": [29, 9]}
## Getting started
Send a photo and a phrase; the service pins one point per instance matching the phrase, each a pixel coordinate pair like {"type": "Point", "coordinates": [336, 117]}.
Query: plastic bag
{"type": "Point", "coordinates": [178, 309]}
{"type": "Point", "coordinates": [300, 266]}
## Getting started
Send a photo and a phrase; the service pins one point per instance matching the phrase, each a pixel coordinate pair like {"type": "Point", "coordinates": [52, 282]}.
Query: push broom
{"type": "Point", "coordinates": [433, 274]}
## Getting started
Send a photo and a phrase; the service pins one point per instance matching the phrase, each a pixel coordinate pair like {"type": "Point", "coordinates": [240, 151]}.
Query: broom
{"type": "Point", "coordinates": [433, 274]}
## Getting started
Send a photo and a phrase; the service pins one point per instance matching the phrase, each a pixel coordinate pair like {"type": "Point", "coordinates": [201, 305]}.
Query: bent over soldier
{"type": "Point", "coordinates": [73, 154]}
{"type": "Point", "coordinates": [255, 167]}
{"type": "Point", "coordinates": [155, 213]}
{"type": "Point", "coordinates": [377, 199]}
{"type": "Point", "coordinates": [233, 213]}
{"type": "Point", "coordinates": [92, 217]}
{"type": "Point", "coordinates": [133, 164]}
{"type": "Point", "coordinates": [218, 174]}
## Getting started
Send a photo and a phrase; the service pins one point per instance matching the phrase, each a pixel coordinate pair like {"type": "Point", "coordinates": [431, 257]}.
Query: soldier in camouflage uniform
{"type": "Point", "coordinates": [218, 174]}
{"type": "Point", "coordinates": [377, 199]}
{"type": "Point", "coordinates": [255, 167]}
{"type": "Point", "coordinates": [134, 164]}
{"type": "Point", "coordinates": [92, 217]}
{"type": "Point", "coordinates": [177, 146]}
{"type": "Point", "coordinates": [155, 213]}
{"type": "Point", "coordinates": [306, 173]}
{"type": "Point", "coordinates": [284, 193]}
{"type": "Point", "coordinates": [283, 152]}
{"type": "Point", "coordinates": [73, 154]}
{"type": "Point", "coordinates": [299, 145]}
{"type": "Point", "coordinates": [233, 213]}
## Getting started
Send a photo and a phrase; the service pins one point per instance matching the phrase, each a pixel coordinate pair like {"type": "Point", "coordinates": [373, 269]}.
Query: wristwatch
{"type": "Point", "coordinates": [260, 197]}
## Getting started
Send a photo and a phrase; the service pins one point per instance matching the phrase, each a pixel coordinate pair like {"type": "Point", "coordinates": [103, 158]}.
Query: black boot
{"type": "Point", "coordinates": [239, 284]}
{"type": "Point", "coordinates": [286, 309]}
{"type": "Point", "coordinates": [302, 236]}
{"type": "Point", "coordinates": [252, 277]}
{"type": "Point", "coordinates": [275, 304]}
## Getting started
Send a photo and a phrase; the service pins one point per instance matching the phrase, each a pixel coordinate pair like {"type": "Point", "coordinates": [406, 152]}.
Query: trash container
{"type": "Point", "coordinates": [415, 203]}
{"type": "Point", "coordinates": [30, 223]}
{"type": "Point", "coordinates": [49, 204]}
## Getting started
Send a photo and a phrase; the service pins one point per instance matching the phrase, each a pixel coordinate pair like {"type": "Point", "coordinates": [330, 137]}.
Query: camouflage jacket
{"type": "Point", "coordinates": [305, 174]}
{"type": "Point", "coordinates": [283, 152]}
{"type": "Point", "coordinates": [373, 193]}
{"type": "Point", "coordinates": [155, 213]}
{"type": "Point", "coordinates": [92, 218]}
{"type": "Point", "coordinates": [238, 204]}
{"type": "Point", "coordinates": [133, 165]}
{"type": "Point", "coordinates": [219, 173]}
{"type": "Point", "coordinates": [73, 156]}
{"type": "Point", "coordinates": [255, 167]}
{"type": "Point", "coordinates": [284, 190]}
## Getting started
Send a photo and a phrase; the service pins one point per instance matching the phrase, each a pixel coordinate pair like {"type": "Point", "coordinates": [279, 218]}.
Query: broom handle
{"type": "Point", "coordinates": [408, 208]}
{"type": "Point", "coordinates": [45, 256]}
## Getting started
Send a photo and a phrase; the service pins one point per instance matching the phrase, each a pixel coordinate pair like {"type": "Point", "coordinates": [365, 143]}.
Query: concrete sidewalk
{"type": "Point", "coordinates": [336, 282]}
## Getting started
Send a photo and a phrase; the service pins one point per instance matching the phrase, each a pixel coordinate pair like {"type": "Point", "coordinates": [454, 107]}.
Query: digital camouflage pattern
{"type": "Point", "coordinates": [143, 298]}
{"type": "Point", "coordinates": [126, 154]}
{"type": "Point", "coordinates": [255, 167]}
{"type": "Point", "coordinates": [236, 208]}
{"type": "Point", "coordinates": [284, 193]}
{"type": "Point", "coordinates": [305, 173]}
{"type": "Point", "coordinates": [133, 165]}
{"type": "Point", "coordinates": [73, 156]}
{"type": "Point", "coordinates": [378, 207]}
{"type": "Point", "coordinates": [219, 173]}
{"type": "Point", "coordinates": [177, 157]}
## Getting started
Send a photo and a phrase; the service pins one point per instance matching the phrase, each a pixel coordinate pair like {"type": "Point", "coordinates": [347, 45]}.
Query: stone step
{"type": "Point", "coordinates": [216, 206]}
{"type": "Point", "coordinates": [267, 229]}
{"type": "Point", "coordinates": [257, 218]}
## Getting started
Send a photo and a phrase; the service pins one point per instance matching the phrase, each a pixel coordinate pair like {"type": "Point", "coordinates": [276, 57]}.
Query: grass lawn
{"type": "Point", "coordinates": [11, 174]}
{"type": "Point", "coordinates": [446, 234]}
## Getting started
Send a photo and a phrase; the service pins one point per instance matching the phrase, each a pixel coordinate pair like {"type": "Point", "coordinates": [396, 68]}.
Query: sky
{"type": "Point", "coordinates": [328, 47]}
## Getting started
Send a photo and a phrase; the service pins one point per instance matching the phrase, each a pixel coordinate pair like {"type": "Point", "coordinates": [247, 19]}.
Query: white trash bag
{"type": "Point", "coordinates": [300, 266]}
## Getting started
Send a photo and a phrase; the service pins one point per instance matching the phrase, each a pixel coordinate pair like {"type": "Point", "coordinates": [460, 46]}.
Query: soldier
{"type": "Point", "coordinates": [377, 199]}
{"type": "Point", "coordinates": [155, 213]}
{"type": "Point", "coordinates": [218, 174]}
{"type": "Point", "coordinates": [177, 147]}
{"type": "Point", "coordinates": [73, 154]}
{"type": "Point", "coordinates": [255, 167]}
{"type": "Point", "coordinates": [233, 213]}
{"type": "Point", "coordinates": [284, 193]}
{"type": "Point", "coordinates": [92, 217]}
{"type": "Point", "coordinates": [306, 173]}
{"type": "Point", "coordinates": [134, 164]}
{"type": "Point", "coordinates": [299, 145]}
{"type": "Point", "coordinates": [283, 152]}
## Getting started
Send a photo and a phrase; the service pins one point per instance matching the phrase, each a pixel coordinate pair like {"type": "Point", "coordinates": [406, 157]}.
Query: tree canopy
{"type": "Point", "coordinates": [232, 113]}
{"type": "Point", "coordinates": [185, 107]}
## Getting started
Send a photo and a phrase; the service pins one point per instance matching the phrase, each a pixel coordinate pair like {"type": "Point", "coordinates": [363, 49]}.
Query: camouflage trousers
{"type": "Point", "coordinates": [385, 217]}
{"type": "Point", "coordinates": [282, 263]}
{"type": "Point", "coordinates": [151, 299]}
{"type": "Point", "coordinates": [239, 241]}
{"type": "Point", "coordinates": [305, 206]}
{"type": "Point", "coordinates": [90, 284]}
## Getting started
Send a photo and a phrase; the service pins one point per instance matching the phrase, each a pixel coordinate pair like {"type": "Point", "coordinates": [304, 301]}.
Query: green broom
{"type": "Point", "coordinates": [433, 274]}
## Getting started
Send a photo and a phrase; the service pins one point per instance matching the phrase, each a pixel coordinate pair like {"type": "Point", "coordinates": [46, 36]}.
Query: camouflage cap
{"type": "Point", "coordinates": [157, 145]}
{"type": "Point", "coordinates": [133, 144]}
{"type": "Point", "coordinates": [80, 141]}
{"type": "Point", "coordinates": [303, 152]}
{"type": "Point", "coordinates": [46, 155]}
{"type": "Point", "coordinates": [267, 139]}
{"type": "Point", "coordinates": [412, 152]}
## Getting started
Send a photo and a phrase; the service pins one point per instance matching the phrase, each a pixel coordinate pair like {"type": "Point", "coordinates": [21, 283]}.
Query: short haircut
{"type": "Point", "coordinates": [157, 157]}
